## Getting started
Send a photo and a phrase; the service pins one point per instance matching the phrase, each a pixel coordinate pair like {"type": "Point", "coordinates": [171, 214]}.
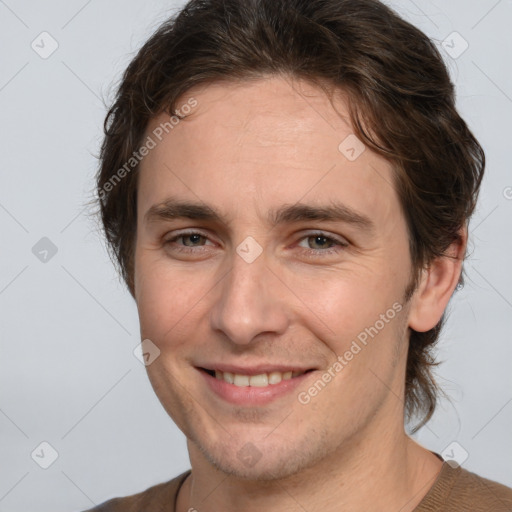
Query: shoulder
{"type": "Point", "coordinates": [159, 498]}
{"type": "Point", "coordinates": [459, 489]}
{"type": "Point", "coordinates": [470, 487]}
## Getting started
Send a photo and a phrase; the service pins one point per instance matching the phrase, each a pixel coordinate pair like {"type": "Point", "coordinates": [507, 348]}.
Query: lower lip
{"type": "Point", "coordinates": [252, 395]}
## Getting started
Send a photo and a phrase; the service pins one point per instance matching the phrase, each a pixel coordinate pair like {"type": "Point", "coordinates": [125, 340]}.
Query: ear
{"type": "Point", "coordinates": [436, 286]}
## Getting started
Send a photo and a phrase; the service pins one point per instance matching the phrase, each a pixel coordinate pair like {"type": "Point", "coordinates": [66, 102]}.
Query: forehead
{"type": "Point", "coordinates": [253, 146]}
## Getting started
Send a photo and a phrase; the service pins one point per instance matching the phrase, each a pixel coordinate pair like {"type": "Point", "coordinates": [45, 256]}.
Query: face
{"type": "Point", "coordinates": [268, 243]}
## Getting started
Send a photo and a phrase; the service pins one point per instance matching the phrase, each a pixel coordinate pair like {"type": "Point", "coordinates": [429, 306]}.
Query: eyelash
{"type": "Point", "coordinates": [308, 252]}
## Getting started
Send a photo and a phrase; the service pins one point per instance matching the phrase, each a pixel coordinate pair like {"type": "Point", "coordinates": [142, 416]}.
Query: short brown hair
{"type": "Point", "coordinates": [401, 103]}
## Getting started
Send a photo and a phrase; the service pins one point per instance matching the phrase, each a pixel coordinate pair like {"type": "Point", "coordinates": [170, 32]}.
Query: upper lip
{"type": "Point", "coordinates": [255, 369]}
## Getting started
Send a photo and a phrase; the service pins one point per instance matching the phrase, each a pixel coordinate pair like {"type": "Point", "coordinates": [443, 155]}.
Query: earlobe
{"type": "Point", "coordinates": [436, 286]}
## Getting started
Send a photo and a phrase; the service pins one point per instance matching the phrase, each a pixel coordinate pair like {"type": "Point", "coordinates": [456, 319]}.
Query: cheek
{"type": "Point", "coordinates": [362, 322]}
{"type": "Point", "coordinates": [166, 299]}
{"type": "Point", "coordinates": [346, 302]}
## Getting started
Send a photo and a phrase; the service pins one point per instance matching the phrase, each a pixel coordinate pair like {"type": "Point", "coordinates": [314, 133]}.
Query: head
{"type": "Point", "coordinates": [266, 99]}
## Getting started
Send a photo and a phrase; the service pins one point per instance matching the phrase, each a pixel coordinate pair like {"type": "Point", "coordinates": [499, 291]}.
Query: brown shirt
{"type": "Point", "coordinates": [454, 490]}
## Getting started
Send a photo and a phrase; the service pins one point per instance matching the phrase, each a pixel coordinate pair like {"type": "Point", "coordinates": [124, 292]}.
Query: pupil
{"type": "Point", "coordinates": [320, 238]}
{"type": "Point", "coordinates": [194, 238]}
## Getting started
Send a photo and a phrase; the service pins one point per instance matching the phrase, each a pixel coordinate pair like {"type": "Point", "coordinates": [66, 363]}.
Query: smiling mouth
{"type": "Point", "coordinates": [260, 380]}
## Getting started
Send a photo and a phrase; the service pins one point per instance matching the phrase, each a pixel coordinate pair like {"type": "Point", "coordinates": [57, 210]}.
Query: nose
{"type": "Point", "coordinates": [250, 301]}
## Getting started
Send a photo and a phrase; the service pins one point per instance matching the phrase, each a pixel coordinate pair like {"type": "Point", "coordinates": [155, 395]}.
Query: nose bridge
{"type": "Point", "coordinates": [248, 302]}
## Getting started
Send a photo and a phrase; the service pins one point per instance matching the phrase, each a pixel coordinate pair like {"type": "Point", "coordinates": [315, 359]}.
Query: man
{"type": "Point", "coordinates": [286, 187]}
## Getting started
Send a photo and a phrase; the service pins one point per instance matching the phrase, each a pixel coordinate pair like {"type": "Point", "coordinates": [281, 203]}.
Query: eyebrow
{"type": "Point", "coordinates": [171, 209]}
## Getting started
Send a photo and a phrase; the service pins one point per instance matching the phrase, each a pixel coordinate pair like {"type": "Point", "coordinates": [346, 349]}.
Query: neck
{"type": "Point", "coordinates": [377, 471]}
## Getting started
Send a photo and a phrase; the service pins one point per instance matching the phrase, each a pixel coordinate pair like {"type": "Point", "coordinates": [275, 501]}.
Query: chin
{"type": "Point", "coordinates": [243, 460]}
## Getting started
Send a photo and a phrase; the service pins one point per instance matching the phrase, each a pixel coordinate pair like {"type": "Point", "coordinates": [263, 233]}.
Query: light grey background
{"type": "Point", "coordinates": [68, 326]}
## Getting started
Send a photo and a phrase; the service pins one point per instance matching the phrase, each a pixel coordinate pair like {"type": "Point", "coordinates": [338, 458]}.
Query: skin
{"type": "Point", "coordinates": [245, 149]}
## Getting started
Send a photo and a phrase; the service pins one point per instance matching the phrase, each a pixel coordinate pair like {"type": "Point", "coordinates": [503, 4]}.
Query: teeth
{"type": "Point", "coordinates": [241, 380]}
{"type": "Point", "coordinates": [262, 380]}
{"type": "Point", "coordinates": [274, 377]}
{"type": "Point", "coordinates": [259, 381]}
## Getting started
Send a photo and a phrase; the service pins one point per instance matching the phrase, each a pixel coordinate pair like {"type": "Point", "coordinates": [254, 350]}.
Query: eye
{"type": "Point", "coordinates": [191, 239]}
{"type": "Point", "coordinates": [194, 241]}
{"type": "Point", "coordinates": [325, 244]}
